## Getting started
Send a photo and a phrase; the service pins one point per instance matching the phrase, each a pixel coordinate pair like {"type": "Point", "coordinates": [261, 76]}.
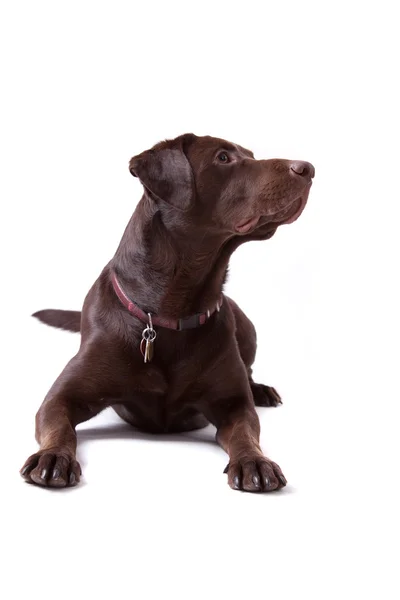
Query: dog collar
{"type": "Point", "coordinates": [191, 322]}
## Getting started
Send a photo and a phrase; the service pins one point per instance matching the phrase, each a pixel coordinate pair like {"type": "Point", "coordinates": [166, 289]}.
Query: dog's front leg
{"type": "Point", "coordinates": [238, 433]}
{"type": "Point", "coordinates": [77, 395]}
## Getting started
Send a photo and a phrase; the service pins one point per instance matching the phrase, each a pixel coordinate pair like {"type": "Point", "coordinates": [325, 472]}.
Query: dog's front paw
{"type": "Point", "coordinates": [264, 395]}
{"type": "Point", "coordinates": [52, 468]}
{"type": "Point", "coordinates": [258, 474]}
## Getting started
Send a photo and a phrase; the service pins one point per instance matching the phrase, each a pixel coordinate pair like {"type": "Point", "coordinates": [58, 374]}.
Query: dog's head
{"type": "Point", "coordinates": [219, 187]}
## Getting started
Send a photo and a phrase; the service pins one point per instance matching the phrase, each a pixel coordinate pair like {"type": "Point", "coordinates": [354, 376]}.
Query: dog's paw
{"type": "Point", "coordinates": [52, 468]}
{"type": "Point", "coordinates": [258, 474]}
{"type": "Point", "coordinates": [264, 395]}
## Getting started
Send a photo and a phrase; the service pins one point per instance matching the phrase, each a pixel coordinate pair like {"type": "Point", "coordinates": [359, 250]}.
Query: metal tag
{"type": "Point", "coordinates": [147, 343]}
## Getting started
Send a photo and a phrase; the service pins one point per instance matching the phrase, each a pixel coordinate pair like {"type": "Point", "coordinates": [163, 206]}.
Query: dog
{"type": "Point", "coordinates": [160, 342]}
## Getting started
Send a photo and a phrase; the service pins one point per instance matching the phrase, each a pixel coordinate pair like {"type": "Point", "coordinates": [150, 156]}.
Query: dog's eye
{"type": "Point", "coordinates": [223, 157]}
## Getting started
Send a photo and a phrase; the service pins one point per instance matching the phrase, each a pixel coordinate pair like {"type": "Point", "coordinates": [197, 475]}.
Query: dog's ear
{"type": "Point", "coordinates": [166, 173]}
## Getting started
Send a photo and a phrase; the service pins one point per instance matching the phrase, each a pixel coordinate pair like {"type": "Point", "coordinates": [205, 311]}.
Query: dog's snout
{"type": "Point", "coordinates": [302, 168]}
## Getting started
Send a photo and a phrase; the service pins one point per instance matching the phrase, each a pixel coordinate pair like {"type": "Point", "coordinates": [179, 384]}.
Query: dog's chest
{"type": "Point", "coordinates": [175, 383]}
{"type": "Point", "coordinates": [174, 409]}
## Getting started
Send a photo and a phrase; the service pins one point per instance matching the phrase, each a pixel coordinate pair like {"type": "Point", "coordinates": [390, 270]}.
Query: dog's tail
{"type": "Point", "coordinates": [70, 320]}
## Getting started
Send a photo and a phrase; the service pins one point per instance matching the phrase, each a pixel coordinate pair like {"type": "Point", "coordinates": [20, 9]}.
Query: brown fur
{"type": "Point", "coordinates": [197, 208]}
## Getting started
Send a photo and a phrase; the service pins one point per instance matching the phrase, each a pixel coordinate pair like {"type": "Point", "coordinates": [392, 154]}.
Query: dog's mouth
{"type": "Point", "coordinates": [246, 225]}
{"type": "Point", "coordinates": [282, 217]}
{"type": "Point", "coordinates": [295, 210]}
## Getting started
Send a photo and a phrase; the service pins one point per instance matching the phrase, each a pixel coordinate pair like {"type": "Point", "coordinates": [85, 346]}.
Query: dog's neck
{"type": "Point", "coordinates": [167, 272]}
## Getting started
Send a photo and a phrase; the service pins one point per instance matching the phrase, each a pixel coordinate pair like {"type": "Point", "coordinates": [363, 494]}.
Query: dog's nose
{"type": "Point", "coordinates": [302, 168]}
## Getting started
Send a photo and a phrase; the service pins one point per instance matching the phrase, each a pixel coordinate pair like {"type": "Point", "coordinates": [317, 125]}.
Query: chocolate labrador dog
{"type": "Point", "coordinates": [161, 343]}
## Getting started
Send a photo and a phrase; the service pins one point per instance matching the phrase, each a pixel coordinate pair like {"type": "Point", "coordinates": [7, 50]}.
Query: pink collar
{"type": "Point", "coordinates": [178, 324]}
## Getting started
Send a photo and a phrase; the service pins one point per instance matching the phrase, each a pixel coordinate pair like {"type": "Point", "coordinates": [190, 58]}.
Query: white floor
{"type": "Point", "coordinates": [83, 90]}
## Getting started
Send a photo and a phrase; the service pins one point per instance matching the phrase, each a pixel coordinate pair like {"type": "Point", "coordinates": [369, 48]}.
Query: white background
{"type": "Point", "coordinates": [86, 85]}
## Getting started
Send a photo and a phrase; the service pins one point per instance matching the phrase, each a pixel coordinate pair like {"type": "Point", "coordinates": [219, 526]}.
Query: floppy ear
{"type": "Point", "coordinates": [166, 173]}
